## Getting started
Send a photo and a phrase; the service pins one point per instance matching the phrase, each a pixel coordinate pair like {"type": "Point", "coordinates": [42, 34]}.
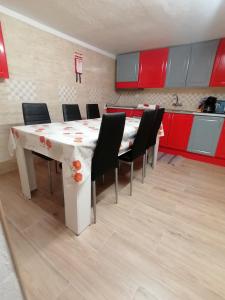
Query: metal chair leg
{"type": "Point", "coordinates": [131, 176]}
{"type": "Point", "coordinates": [116, 184]}
{"type": "Point", "coordinates": [93, 184]}
{"type": "Point", "coordinates": [143, 167]}
{"type": "Point", "coordinates": [50, 177]}
{"type": "Point", "coordinates": [103, 179]}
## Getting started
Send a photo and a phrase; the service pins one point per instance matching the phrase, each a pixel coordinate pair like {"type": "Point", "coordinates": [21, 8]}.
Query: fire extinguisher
{"type": "Point", "coordinates": [78, 62]}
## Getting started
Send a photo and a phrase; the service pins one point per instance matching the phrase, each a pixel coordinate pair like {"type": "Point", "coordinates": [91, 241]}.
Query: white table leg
{"type": "Point", "coordinates": [77, 199]}
{"type": "Point", "coordinates": [26, 171]}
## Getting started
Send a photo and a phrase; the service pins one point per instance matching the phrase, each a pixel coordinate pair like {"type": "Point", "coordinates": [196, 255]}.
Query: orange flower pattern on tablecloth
{"type": "Point", "coordinates": [45, 142]}
{"type": "Point", "coordinates": [77, 177]}
{"type": "Point", "coordinates": [42, 139]}
{"type": "Point", "coordinates": [77, 164]}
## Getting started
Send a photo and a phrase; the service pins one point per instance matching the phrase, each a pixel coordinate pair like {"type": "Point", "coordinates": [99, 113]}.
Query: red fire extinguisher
{"type": "Point", "coordinates": [78, 62]}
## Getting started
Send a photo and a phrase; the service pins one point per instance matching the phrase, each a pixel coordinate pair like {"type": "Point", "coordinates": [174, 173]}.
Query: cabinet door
{"type": "Point", "coordinates": [153, 68]}
{"type": "Point", "coordinates": [180, 129]}
{"type": "Point", "coordinates": [128, 112]}
{"type": "Point", "coordinates": [3, 61]}
{"type": "Point", "coordinates": [205, 135]}
{"type": "Point", "coordinates": [218, 74]}
{"type": "Point", "coordinates": [127, 70]}
{"type": "Point", "coordinates": [166, 127]}
{"type": "Point", "coordinates": [201, 63]}
{"type": "Point", "coordinates": [220, 151]}
{"type": "Point", "coordinates": [177, 66]}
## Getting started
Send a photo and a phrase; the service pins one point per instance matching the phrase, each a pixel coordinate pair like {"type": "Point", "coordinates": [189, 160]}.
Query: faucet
{"type": "Point", "coordinates": [177, 103]}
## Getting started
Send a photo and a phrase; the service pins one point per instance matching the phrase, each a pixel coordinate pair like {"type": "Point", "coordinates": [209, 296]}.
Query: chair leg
{"type": "Point", "coordinates": [103, 179]}
{"type": "Point", "coordinates": [94, 199]}
{"type": "Point", "coordinates": [131, 176]}
{"type": "Point", "coordinates": [116, 184]}
{"type": "Point", "coordinates": [146, 162]}
{"type": "Point", "coordinates": [143, 167]}
{"type": "Point", "coordinates": [50, 177]}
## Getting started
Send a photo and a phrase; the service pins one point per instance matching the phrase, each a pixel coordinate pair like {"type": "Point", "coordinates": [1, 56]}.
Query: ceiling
{"type": "Point", "coordinates": [120, 26]}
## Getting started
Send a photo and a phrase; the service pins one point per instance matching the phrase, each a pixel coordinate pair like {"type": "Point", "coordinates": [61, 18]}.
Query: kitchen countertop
{"type": "Point", "coordinates": [171, 110]}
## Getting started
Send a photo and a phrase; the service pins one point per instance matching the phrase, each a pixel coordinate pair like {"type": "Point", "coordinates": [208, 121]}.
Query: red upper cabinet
{"type": "Point", "coordinates": [220, 151]}
{"type": "Point", "coordinates": [3, 61]}
{"type": "Point", "coordinates": [153, 63]}
{"type": "Point", "coordinates": [218, 73]}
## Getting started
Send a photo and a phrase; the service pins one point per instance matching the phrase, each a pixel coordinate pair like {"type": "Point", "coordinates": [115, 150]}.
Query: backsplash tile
{"type": "Point", "coordinates": [164, 97]}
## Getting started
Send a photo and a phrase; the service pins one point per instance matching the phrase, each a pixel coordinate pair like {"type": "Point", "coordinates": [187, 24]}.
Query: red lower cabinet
{"type": "Point", "coordinates": [180, 129]}
{"type": "Point", "coordinates": [220, 151]}
{"type": "Point", "coordinates": [128, 112]}
{"type": "Point", "coordinates": [177, 129]}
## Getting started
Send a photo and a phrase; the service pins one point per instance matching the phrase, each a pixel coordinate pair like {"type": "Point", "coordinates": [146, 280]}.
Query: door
{"type": "Point", "coordinates": [220, 151]}
{"type": "Point", "coordinates": [177, 66]}
{"type": "Point", "coordinates": [201, 63]}
{"type": "Point", "coordinates": [153, 68]}
{"type": "Point", "coordinates": [127, 70]}
{"type": "Point", "coordinates": [180, 129]}
{"type": "Point", "coordinates": [218, 74]}
{"type": "Point", "coordinates": [163, 141]}
{"type": "Point", "coordinates": [205, 135]}
{"type": "Point", "coordinates": [3, 61]}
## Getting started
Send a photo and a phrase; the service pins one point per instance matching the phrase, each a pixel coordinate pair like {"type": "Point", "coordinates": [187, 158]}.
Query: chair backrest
{"type": "Point", "coordinates": [35, 113]}
{"type": "Point", "coordinates": [92, 111]}
{"type": "Point", "coordinates": [144, 130]}
{"type": "Point", "coordinates": [71, 112]}
{"type": "Point", "coordinates": [157, 123]}
{"type": "Point", "coordinates": [108, 144]}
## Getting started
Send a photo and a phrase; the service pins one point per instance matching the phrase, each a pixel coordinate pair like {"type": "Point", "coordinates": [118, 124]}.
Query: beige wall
{"type": "Point", "coordinates": [41, 69]}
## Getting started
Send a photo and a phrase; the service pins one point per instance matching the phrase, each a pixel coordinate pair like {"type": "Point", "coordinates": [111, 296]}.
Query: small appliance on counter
{"type": "Point", "coordinates": [220, 106]}
{"type": "Point", "coordinates": [208, 105]}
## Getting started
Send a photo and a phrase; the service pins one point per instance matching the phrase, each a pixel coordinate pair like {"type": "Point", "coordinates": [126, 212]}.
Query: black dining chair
{"type": "Point", "coordinates": [153, 136]}
{"type": "Point", "coordinates": [71, 112]}
{"type": "Point", "coordinates": [140, 143]}
{"type": "Point", "coordinates": [92, 111]}
{"type": "Point", "coordinates": [37, 113]}
{"type": "Point", "coordinates": [105, 155]}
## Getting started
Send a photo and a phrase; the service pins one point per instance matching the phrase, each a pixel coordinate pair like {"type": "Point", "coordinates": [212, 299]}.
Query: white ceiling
{"type": "Point", "coordinates": [125, 25]}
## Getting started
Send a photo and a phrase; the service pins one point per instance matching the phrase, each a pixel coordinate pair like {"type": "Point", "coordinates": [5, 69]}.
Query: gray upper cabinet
{"type": "Point", "coordinates": [127, 67]}
{"type": "Point", "coordinates": [201, 63]}
{"type": "Point", "coordinates": [205, 134]}
{"type": "Point", "coordinates": [177, 66]}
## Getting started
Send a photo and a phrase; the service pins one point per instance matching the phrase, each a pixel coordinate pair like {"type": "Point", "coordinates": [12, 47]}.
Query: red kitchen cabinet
{"type": "Point", "coordinates": [166, 126]}
{"type": "Point", "coordinates": [218, 73]}
{"type": "Point", "coordinates": [179, 131]}
{"type": "Point", "coordinates": [128, 112]}
{"type": "Point", "coordinates": [3, 61]}
{"type": "Point", "coordinates": [220, 151]}
{"type": "Point", "coordinates": [152, 68]}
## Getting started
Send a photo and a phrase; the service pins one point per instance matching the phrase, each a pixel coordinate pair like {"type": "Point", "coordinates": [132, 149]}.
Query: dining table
{"type": "Point", "coordinates": [71, 143]}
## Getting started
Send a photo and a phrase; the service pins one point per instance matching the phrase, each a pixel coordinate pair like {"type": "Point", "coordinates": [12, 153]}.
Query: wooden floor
{"type": "Point", "coordinates": [166, 242]}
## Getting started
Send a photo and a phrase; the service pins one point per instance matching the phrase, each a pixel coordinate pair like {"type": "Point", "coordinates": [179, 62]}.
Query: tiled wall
{"type": "Point", "coordinates": [41, 69]}
{"type": "Point", "coordinates": [164, 97]}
